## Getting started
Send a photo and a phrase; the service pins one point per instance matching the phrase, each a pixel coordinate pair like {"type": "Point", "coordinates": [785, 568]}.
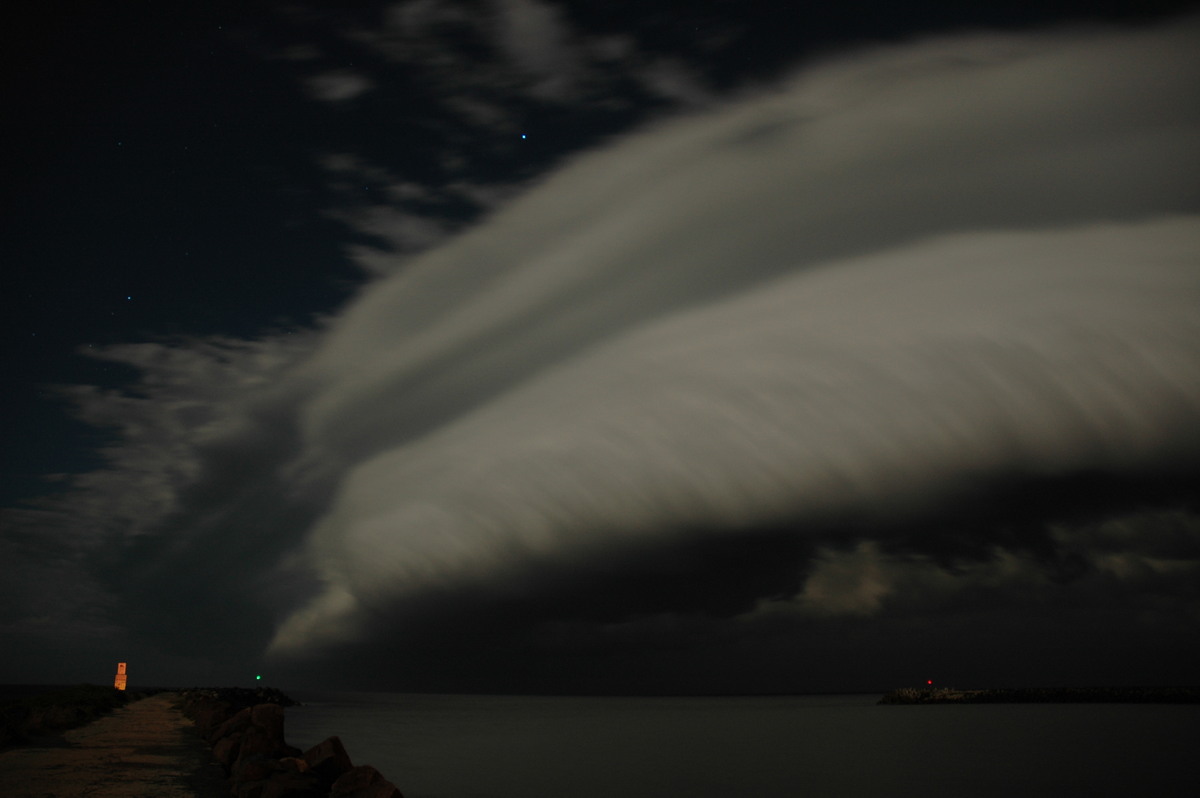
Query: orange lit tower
{"type": "Point", "coordinates": [120, 682]}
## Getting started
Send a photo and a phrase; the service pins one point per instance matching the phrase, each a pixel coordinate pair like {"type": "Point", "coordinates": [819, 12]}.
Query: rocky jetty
{"type": "Point", "coordinates": [245, 731]}
{"type": "Point", "coordinates": [1045, 695]}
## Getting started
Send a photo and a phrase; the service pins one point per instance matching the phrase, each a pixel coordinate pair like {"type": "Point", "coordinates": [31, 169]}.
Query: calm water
{"type": "Point", "coordinates": [538, 747]}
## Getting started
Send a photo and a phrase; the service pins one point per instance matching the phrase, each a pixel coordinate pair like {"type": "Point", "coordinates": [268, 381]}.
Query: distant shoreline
{"type": "Point", "coordinates": [1044, 695]}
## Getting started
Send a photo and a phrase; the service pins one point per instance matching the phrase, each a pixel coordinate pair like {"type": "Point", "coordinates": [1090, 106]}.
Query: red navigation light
{"type": "Point", "coordinates": [929, 681]}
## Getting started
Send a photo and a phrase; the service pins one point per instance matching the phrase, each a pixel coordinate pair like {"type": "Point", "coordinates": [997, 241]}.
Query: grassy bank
{"type": "Point", "coordinates": [43, 714]}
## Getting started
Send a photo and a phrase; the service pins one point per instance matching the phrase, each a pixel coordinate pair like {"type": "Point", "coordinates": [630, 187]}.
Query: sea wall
{"type": "Point", "coordinates": [244, 728]}
{"type": "Point", "coordinates": [1045, 695]}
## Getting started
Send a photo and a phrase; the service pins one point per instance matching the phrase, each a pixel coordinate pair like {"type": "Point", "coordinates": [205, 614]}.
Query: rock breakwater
{"type": "Point", "coordinates": [244, 728]}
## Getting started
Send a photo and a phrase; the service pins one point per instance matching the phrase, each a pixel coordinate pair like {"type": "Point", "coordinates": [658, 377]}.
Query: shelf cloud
{"type": "Point", "coordinates": [899, 274]}
{"type": "Point", "coordinates": [909, 335]}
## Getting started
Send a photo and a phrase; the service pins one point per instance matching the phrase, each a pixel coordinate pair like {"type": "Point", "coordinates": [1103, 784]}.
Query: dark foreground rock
{"type": "Point", "coordinates": [1045, 695]}
{"type": "Point", "coordinates": [247, 740]}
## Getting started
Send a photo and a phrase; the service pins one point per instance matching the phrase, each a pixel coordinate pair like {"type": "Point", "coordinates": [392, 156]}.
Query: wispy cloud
{"type": "Point", "coordinates": [483, 57]}
{"type": "Point", "coordinates": [339, 85]}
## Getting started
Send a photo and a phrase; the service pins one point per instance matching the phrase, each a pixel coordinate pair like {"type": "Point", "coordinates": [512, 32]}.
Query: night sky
{"type": "Point", "coordinates": [654, 347]}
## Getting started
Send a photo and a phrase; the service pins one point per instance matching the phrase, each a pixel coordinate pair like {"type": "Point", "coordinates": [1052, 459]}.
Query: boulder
{"type": "Point", "coordinates": [286, 784]}
{"type": "Point", "coordinates": [382, 789]}
{"type": "Point", "coordinates": [269, 717]}
{"type": "Point", "coordinates": [355, 779]}
{"type": "Point", "coordinates": [294, 763]}
{"type": "Point", "coordinates": [226, 751]}
{"type": "Point", "coordinates": [256, 770]}
{"type": "Point", "coordinates": [363, 781]}
{"type": "Point", "coordinates": [328, 759]}
{"type": "Point", "coordinates": [208, 715]}
{"type": "Point", "coordinates": [261, 753]}
{"type": "Point", "coordinates": [236, 724]}
{"type": "Point", "coordinates": [263, 736]}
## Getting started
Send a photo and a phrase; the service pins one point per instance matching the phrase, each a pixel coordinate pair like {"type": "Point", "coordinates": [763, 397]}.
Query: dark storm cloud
{"type": "Point", "coordinates": [911, 337]}
{"type": "Point", "coordinates": [185, 521]}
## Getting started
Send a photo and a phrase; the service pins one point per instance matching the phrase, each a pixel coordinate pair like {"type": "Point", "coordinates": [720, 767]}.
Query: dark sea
{"type": "Point", "coordinates": [456, 746]}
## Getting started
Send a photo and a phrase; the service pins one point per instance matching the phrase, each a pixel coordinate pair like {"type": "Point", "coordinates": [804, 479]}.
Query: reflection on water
{"type": "Point", "coordinates": [774, 747]}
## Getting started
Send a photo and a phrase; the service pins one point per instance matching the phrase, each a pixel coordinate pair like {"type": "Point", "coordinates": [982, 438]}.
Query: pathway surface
{"type": "Point", "coordinates": [146, 749]}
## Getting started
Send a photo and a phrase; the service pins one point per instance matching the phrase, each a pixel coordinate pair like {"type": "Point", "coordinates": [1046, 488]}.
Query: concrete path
{"type": "Point", "coordinates": [146, 748]}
